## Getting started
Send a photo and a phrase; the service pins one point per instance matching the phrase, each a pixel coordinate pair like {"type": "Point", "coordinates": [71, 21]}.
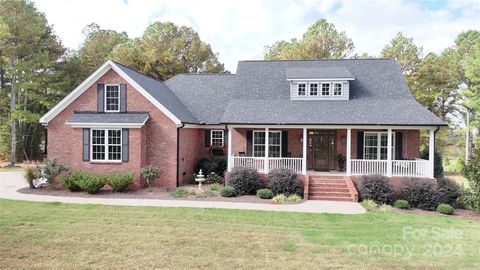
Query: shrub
{"type": "Point", "coordinates": [401, 204]}
{"type": "Point", "coordinates": [90, 183]}
{"type": "Point", "coordinates": [452, 192]}
{"type": "Point", "coordinates": [218, 165]}
{"type": "Point", "coordinates": [150, 174]}
{"type": "Point", "coordinates": [421, 193]}
{"type": "Point", "coordinates": [377, 188]}
{"type": "Point", "coordinates": [29, 176]}
{"type": "Point", "coordinates": [472, 172]}
{"type": "Point", "coordinates": [437, 163]}
{"type": "Point", "coordinates": [119, 181]}
{"type": "Point", "coordinates": [245, 180]}
{"type": "Point", "coordinates": [52, 169]}
{"type": "Point", "coordinates": [369, 204]}
{"type": "Point", "coordinates": [215, 186]}
{"type": "Point", "coordinates": [285, 181]}
{"type": "Point", "coordinates": [279, 199]}
{"type": "Point", "coordinates": [71, 180]}
{"type": "Point", "coordinates": [294, 198]}
{"type": "Point", "coordinates": [445, 209]}
{"type": "Point", "coordinates": [385, 207]}
{"type": "Point", "coordinates": [228, 192]}
{"type": "Point", "coordinates": [265, 193]}
{"type": "Point", "coordinates": [180, 193]}
{"type": "Point", "coordinates": [214, 178]}
{"type": "Point", "coordinates": [208, 193]}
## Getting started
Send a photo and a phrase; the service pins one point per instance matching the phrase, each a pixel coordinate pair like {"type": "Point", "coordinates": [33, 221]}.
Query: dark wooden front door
{"type": "Point", "coordinates": [321, 150]}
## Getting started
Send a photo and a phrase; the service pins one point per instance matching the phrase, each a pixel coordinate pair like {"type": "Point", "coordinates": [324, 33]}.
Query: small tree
{"type": "Point", "coordinates": [52, 169]}
{"type": "Point", "coordinates": [472, 172]}
{"type": "Point", "coordinates": [150, 174]}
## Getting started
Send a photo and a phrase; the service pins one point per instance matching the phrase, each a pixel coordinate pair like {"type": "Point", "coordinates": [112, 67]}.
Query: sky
{"type": "Point", "coordinates": [240, 30]}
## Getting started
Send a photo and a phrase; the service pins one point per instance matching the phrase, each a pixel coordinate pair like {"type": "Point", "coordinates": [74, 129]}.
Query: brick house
{"type": "Point", "coordinates": [270, 114]}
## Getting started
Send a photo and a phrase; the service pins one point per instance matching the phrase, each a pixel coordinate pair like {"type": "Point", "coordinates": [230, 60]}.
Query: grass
{"type": "Point", "coordinates": [56, 235]}
{"type": "Point", "coordinates": [11, 169]}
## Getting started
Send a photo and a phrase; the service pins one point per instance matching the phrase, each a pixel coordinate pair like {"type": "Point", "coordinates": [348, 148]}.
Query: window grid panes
{"type": "Point", "coordinates": [314, 89]}
{"type": "Point", "coordinates": [274, 147]}
{"type": "Point", "coordinates": [112, 98]}
{"type": "Point", "coordinates": [302, 89]}
{"type": "Point", "coordinates": [337, 89]}
{"type": "Point", "coordinates": [106, 145]}
{"type": "Point", "coordinates": [376, 145]}
{"type": "Point", "coordinates": [325, 89]}
{"type": "Point", "coordinates": [216, 137]}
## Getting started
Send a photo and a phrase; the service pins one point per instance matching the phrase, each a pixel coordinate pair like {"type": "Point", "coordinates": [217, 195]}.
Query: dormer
{"type": "Point", "coordinates": [319, 83]}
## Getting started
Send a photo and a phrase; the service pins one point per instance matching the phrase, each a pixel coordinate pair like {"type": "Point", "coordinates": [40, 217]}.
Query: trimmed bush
{"type": "Point", "coordinates": [369, 204]}
{"type": "Point", "coordinates": [385, 208]}
{"type": "Point", "coordinates": [401, 204]}
{"type": "Point", "coordinates": [91, 183]}
{"type": "Point", "coordinates": [285, 181]}
{"type": "Point", "coordinates": [119, 181]}
{"type": "Point", "coordinates": [377, 188]}
{"type": "Point", "coordinates": [294, 198]}
{"type": "Point", "coordinates": [214, 187]}
{"type": "Point", "coordinates": [445, 209]}
{"type": "Point", "coordinates": [181, 193]}
{"type": "Point", "coordinates": [452, 192]}
{"type": "Point", "coordinates": [279, 199]}
{"type": "Point", "coordinates": [245, 180]}
{"type": "Point", "coordinates": [420, 193]}
{"type": "Point", "coordinates": [265, 193]}
{"type": "Point", "coordinates": [228, 192]}
{"type": "Point", "coordinates": [71, 180]}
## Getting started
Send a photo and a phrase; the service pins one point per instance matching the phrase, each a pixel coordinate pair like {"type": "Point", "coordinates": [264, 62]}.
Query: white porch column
{"type": "Point", "coordinates": [349, 151]}
{"type": "Point", "coordinates": [389, 152]}
{"type": "Point", "coordinates": [229, 151]}
{"type": "Point", "coordinates": [304, 151]}
{"type": "Point", "coordinates": [431, 151]}
{"type": "Point", "coordinates": [265, 164]}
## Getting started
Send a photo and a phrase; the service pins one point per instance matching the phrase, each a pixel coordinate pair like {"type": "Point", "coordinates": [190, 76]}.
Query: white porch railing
{"type": "Point", "coordinates": [419, 168]}
{"type": "Point", "coordinates": [290, 163]}
{"type": "Point", "coordinates": [258, 163]}
{"type": "Point", "coordinates": [368, 166]}
{"type": "Point", "coordinates": [416, 168]}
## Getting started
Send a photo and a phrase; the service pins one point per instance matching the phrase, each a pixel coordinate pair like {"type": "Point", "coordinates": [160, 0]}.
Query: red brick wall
{"type": "Point", "coordinates": [154, 144]}
{"type": "Point", "coordinates": [191, 141]}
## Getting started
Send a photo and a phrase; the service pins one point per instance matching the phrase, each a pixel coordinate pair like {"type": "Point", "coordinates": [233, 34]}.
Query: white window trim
{"type": "Point", "coordinates": [329, 89]}
{"type": "Point", "coordinates": [309, 89]}
{"type": "Point", "coordinates": [106, 146]}
{"type": "Point", "coordinates": [105, 98]}
{"type": "Point", "coordinates": [341, 89]}
{"type": "Point", "coordinates": [211, 136]}
{"type": "Point", "coordinates": [298, 89]}
{"type": "Point", "coordinates": [264, 143]}
{"type": "Point", "coordinates": [379, 144]}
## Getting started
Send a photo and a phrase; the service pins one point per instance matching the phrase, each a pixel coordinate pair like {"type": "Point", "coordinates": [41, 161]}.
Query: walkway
{"type": "Point", "coordinates": [10, 182]}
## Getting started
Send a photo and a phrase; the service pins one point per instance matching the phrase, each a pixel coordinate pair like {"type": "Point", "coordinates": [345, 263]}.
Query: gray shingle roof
{"type": "Point", "coordinates": [108, 118]}
{"type": "Point", "coordinates": [161, 93]}
{"type": "Point", "coordinates": [317, 73]}
{"type": "Point", "coordinates": [260, 94]}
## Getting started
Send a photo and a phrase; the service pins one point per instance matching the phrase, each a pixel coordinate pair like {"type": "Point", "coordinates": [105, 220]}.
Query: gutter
{"type": "Point", "coordinates": [178, 152]}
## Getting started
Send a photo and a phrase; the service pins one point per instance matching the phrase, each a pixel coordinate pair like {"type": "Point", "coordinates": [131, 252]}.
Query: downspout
{"type": "Point", "coordinates": [178, 153]}
{"type": "Point", "coordinates": [228, 159]}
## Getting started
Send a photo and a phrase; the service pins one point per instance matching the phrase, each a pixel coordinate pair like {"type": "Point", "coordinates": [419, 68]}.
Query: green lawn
{"type": "Point", "coordinates": [55, 235]}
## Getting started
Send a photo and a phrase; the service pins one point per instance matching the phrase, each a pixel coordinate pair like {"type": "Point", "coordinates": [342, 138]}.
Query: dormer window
{"type": "Point", "coordinates": [325, 89]}
{"type": "Point", "coordinates": [302, 89]}
{"type": "Point", "coordinates": [313, 89]}
{"type": "Point", "coordinates": [337, 89]}
{"type": "Point", "coordinates": [112, 98]}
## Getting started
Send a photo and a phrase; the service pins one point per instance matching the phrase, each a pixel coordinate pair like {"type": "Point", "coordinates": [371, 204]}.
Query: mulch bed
{"type": "Point", "coordinates": [157, 193]}
{"type": "Point", "coordinates": [457, 213]}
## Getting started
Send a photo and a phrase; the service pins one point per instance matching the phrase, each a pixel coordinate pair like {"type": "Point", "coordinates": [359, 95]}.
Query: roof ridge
{"type": "Point", "coordinates": [141, 73]}
{"type": "Point", "coordinates": [318, 60]}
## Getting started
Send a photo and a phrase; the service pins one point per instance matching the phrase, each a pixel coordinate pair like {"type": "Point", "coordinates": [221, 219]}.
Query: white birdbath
{"type": "Point", "coordinates": [200, 178]}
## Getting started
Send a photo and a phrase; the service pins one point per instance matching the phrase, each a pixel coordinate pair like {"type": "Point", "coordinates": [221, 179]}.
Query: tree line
{"type": "Point", "coordinates": [36, 70]}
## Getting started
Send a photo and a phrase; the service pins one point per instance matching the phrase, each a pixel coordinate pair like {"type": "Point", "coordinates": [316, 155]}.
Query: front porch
{"type": "Point", "coordinates": [390, 151]}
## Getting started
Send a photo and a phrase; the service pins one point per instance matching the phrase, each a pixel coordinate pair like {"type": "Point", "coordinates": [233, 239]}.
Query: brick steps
{"type": "Point", "coordinates": [330, 188]}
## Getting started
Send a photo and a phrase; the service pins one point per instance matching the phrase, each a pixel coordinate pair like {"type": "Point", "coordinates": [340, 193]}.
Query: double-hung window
{"type": "Point", "coordinates": [274, 144]}
{"type": "Point", "coordinates": [106, 145]}
{"type": "Point", "coordinates": [216, 137]}
{"type": "Point", "coordinates": [376, 145]}
{"type": "Point", "coordinates": [112, 98]}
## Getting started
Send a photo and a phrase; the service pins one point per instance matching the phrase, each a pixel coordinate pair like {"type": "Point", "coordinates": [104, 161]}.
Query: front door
{"type": "Point", "coordinates": [321, 150]}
